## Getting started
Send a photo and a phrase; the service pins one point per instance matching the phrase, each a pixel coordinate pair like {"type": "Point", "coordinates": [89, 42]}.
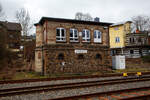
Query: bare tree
{"type": "Point", "coordinates": [81, 16]}
{"type": "Point", "coordinates": [23, 18]}
{"type": "Point", "coordinates": [88, 17]}
{"type": "Point", "coordinates": [1, 11]}
{"type": "Point", "coordinates": [141, 23]}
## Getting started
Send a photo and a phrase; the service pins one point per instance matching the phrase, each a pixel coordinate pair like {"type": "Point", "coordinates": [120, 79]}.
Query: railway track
{"type": "Point", "coordinates": [142, 93]}
{"type": "Point", "coordinates": [46, 88]}
{"type": "Point", "coordinates": [66, 78]}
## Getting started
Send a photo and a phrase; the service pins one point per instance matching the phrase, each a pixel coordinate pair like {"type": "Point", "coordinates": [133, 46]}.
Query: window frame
{"type": "Point", "coordinates": [117, 39]}
{"type": "Point", "coordinates": [97, 31]}
{"type": "Point", "coordinates": [81, 57]}
{"type": "Point", "coordinates": [60, 56]}
{"type": "Point", "coordinates": [11, 35]}
{"type": "Point", "coordinates": [131, 52]}
{"type": "Point", "coordinates": [45, 35]}
{"type": "Point", "coordinates": [116, 28]}
{"type": "Point", "coordinates": [85, 38]}
{"type": "Point", "coordinates": [62, 38]}
{"type": "Point", "coordinates": [98, 56]}
{"type": "Point", "coordinates": [74, 38]}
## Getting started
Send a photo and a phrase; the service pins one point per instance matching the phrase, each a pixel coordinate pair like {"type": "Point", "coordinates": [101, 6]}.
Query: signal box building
{"type": "Point", "coordinates": [66, 45]}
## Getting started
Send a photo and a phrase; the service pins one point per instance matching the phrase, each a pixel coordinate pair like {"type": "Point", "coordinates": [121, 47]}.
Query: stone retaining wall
{"type": "Point", "coordinates": [96, 59]}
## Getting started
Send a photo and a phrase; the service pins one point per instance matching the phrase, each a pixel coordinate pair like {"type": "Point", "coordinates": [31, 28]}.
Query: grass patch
{"type": "Point", "coordinates": [27, 75]}
{"type": "Point", "coordinates": [131, 70]}
{"type": "Point", "coordinates": [34, 75]}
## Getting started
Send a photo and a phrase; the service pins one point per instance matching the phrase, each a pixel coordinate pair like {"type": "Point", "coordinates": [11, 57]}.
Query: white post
{"type": "Point", "coordinates": [122, 51]}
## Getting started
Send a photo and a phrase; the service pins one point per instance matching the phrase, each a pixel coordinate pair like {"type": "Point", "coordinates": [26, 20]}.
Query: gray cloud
{"type": "Point", "coordinates": [107, 10]}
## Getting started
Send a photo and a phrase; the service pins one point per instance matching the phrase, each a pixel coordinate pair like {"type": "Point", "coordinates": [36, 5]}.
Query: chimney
{"type": "Point", "coordinates": [96, 19]}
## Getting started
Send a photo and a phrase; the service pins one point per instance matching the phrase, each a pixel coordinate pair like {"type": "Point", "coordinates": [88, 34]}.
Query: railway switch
{"type": "Point", "coordinates": [125, 74]}
{"type": "Point", "coordinates": [139, 74]}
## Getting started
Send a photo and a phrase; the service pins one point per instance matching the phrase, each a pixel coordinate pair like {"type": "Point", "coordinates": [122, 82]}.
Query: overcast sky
{"type": "Point", "coordinates": [106, 10]}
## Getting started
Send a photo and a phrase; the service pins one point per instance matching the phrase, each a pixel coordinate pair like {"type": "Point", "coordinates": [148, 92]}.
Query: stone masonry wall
{"type": "Point", "coordinates": [71, 60]}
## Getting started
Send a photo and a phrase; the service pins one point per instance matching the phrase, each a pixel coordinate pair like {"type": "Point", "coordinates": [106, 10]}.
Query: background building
{"type": "Point", "coordinates": [13, 35]}
{"type": "Point", "coordinates": [123, 42]}
{"type": "Point", "coordinates": [117, 34]}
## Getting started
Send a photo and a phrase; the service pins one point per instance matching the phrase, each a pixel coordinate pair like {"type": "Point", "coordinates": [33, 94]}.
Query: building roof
{"type": "Point", "coordinates": [120, 23]}
{"type": "Point", "coordinates": [12, 26]}
{"type": "Point", "coordinates": [43, 19]}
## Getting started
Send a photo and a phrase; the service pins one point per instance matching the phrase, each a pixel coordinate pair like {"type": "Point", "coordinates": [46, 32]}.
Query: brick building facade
{"type": "Point", "coordinates": [65, 45]}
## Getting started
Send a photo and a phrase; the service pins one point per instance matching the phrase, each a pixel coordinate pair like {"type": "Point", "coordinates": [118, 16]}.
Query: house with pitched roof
{"type": "Point", "coordinates": [13, 34]}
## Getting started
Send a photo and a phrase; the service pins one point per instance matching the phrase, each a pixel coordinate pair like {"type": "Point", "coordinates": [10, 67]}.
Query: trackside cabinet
{"type": "Point", "coordinates": [118, 62]}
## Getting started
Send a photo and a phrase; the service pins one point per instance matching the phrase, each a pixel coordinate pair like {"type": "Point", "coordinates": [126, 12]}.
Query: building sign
{"type": "Point", "coordinates": [80, 51]}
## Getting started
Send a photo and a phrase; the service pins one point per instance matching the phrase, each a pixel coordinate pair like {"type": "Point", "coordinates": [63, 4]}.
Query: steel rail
{"type": "Point", "coordinates": [67, 78]}
{"type": "Point", "coordinates": [142, 97]}
{"type": "Point", "coordinates": [109, 93]}
{"type": "Point", "coordinates": [27, 90]}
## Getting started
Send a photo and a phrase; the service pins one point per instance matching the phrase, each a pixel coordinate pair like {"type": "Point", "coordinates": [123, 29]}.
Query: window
{"type": "Point", "coordinates": [73, 35]}
{"type": "Point", "coordinates": [11, 45]}
{"type": "Point", "coordinates": [117, 39]}
{"type": "Point", "coordinates": [97, 36]}
{"type": "Point", "coordinates": [143, 40]}
{"type": "Point", "coordinates": [98, 56]}
{"type": "Point", "coordinates": [116, 28]}
{"type": "Point", "coordinates": [80, 56]}
{"type": "Point", "coordinates": [86, 35]}
{"type": "Point", "coordinates": [60, 34]}
{"type": "Point", "coordinates": [140, 51]}
{"type": "Point", "coordinates": [139, 40]}
{"type": "Point", "coordinates": [113, 52]}
{"type": "Point", "coordinates": [131, 51]}
{"type": "Point", "coordinates": [11, 36]}
{"type": "Point", "coordinates": [132, 40]}
{"type": "Point", "coordinates": [61, 56]}
{"type": "Point", "coordinates": [45, 36]}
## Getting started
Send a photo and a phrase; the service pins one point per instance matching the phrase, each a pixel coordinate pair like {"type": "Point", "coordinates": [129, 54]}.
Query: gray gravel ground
{"type": "Point", "coordinates": [78, 91]}
{"type": "Point", "coordinates": [29, 84]}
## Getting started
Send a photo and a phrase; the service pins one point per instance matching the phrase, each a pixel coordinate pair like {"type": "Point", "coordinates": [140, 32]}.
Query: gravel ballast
{"type": "Point", "coordinates": [42, 83]}
{"type": "Point", "coordinates": [77, 91]}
